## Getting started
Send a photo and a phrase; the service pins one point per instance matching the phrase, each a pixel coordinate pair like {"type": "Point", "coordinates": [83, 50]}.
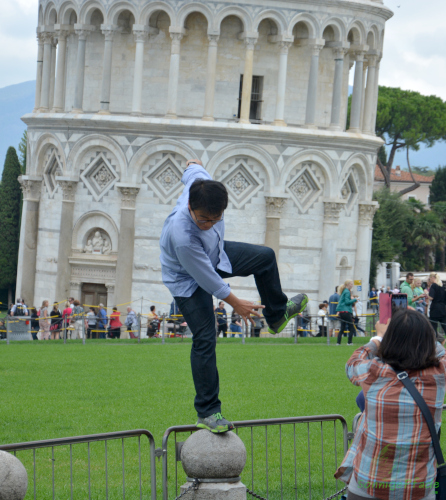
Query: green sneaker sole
{"type": "Point", "coordinates": [285, 323]}
{"type": "Point", "coordinates": [215, 431]}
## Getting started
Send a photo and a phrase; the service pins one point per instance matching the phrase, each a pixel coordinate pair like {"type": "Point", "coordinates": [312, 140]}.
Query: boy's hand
{"type": "Point", "coordinates": [244, 308]}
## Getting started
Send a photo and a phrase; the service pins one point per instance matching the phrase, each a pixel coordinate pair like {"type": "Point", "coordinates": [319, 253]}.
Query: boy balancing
{"type": "Point", "coordinates": [195, 259]}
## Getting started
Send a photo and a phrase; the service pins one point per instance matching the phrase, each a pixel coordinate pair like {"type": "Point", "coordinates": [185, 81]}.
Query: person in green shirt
{"type": "Point", "coordinates": [407, 289]}
{"type": "Point", "coordinates": [345, 311]}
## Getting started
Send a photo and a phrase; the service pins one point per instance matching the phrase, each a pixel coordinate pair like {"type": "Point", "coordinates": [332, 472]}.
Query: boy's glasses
{"type": "Point", "coordinates": [213, 222]}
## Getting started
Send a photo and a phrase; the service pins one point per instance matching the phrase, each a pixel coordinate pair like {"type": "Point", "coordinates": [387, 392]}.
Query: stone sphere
{"type": "Point", "coordinates": [205, 455]}
{"type": "Point", "coordinates": [13, 477]}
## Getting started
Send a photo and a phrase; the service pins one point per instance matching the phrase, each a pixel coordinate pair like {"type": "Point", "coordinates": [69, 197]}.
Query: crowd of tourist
{"type": "Point", "coordinates": [71, 320]}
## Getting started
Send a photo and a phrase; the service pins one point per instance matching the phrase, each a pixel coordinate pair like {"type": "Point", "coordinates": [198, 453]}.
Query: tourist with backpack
{"type": "Point", "coordinates": [19, 309]}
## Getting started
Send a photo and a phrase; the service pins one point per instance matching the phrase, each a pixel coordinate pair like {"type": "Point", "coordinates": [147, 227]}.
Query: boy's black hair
{"type": "Point", "coordinates": [409, 342]}
{"type": "Point", "coordinates": [209, 196]}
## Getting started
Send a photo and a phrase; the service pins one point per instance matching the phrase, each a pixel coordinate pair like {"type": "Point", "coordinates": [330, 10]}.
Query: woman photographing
{"type": "Point", "coordinates": [392, 455]}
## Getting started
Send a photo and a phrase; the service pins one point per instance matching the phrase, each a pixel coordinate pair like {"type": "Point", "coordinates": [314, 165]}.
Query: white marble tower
{"type": "Point", "coordinates": [128, 91]}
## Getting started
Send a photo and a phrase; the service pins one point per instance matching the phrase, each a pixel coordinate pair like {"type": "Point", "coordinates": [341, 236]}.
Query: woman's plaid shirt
{"type": "Point", "coordinates": [392, 454]}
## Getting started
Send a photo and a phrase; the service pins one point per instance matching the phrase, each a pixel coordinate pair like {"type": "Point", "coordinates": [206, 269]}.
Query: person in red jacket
{"type": "Point", "coordinates": [115, 324]}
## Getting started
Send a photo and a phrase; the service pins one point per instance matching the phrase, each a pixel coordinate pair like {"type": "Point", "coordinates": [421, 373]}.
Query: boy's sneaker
{"type": "Point", "coordinates": [215, 423]}
{"type": "Point", "coordinates": [294, 306]}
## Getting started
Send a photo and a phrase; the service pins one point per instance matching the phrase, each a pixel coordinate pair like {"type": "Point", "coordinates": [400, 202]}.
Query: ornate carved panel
{"type": "Point", "coordinates": [164, 177]}
{"type": "Point", "coordinates": [241, 184]}
{"type": "Point", "coordinates": [99, 176]}
{"type": "Point", "coordinates": [304, 187]}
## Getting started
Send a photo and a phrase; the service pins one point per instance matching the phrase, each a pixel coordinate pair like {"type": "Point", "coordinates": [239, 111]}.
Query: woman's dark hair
{"type": "Point", "coordinates": [55, 308]}
{"type": "Point", "coordinates": [92, 309]}
{"type": "Point", "coordinates": [152, 308]}
{"type": "Point", "coordinates": [321, 306]}
{"type": "Point", "coordinates": [409, 342]}
{"type": "Point", "coordinates": [115, 308]}
{"type": "Point", "coordinates": [209, 196]}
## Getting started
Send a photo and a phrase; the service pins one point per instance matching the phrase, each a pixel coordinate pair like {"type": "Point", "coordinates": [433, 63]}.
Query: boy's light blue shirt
{"type": "Point", "coordinates": [190, 256]}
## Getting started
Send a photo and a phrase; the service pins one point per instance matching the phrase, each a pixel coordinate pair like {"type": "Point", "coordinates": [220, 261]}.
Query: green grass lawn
{"type": "Point", "coordinates": [51, 390]}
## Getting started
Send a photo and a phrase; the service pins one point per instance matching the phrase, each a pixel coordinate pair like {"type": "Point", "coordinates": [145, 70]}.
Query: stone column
{"type": "Point", "coordinates": [140, 34]}
{"type": "Point", "coordinates": [208, 114]}
{"type": "Point", "coordinates": [245, 108]}
{"type": "Point", "coordinates": [82, 34]}
{"type": "Point", "coordinates": [39, 72]}
{"type": "Point", "coordinates": [364, 245]}
{"type": "Point", "coordinates": [310, 114]}
{"type": "Point", "coordinates": [281, 86]}
{"type": "Point", "coordinates": [126, 245]}
{"type": "Point", "coordinates": [110, 294]}
{"type": "Point", "coordinates": [26, 268]}
{"type": "Point", "coordinates": [274, 207]}
{"type": "Point", "coordinates": [174, 73]}
{"type": "Point", "coordinates": [53, 72]}
{"type": "Point", "coordinates": [68, 187]}
{"type": "Point", "coordinates": [46, 71]}
{"type": "Point", "coordinates": [59, 90]}
{"type": "Point", "coordinates": [327, 276]}
{"type": "Point", "coordinates": [369, 96]}
{"type": "Point", "coordinates": [364, 79]}
{"type": "Point", "coordinates": [355, 113]}
{"type": "Point", "coordinates": [108, 32]}
{"type": "Point", "coordinates": [336, 105]}
{"type": "Point", "coordinates": [375, 104]}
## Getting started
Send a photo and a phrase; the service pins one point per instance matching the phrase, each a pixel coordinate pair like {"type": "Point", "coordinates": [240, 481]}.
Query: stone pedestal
{"type": "Point", "coordinates": [217, 460]}
{"type": "Point", "coordinates": [13, 477]}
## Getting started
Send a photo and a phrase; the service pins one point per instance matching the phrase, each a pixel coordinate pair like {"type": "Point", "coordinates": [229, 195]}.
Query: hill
{"type": "Point", "coordinates": [15, 101]}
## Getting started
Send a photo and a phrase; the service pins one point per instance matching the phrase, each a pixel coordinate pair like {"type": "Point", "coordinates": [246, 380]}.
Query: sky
{"type": "Point", "coordinates": [414, 50]}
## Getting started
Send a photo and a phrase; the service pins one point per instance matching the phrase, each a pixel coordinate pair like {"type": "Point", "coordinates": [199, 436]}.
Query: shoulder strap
{"type": "Point", "coordinates": [409, 385]}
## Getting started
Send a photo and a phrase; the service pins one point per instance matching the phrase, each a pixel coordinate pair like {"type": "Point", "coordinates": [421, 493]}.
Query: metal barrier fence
{"type": "Point", "coordinates": [90, 468]}
{"type": "Point", "coordinates": [287, 458]}
{"type": "Point", "coordinates": [20, 328]}
{"type": "Point", "coordinates": [291, 458]}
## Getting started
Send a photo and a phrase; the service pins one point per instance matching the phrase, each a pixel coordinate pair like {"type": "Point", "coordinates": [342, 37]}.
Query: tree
{"type": "Point", "coordinates": [391, 225]}
{"type": "Point", "coordinates": [438, 186]}
{"type": "Point", "coordinates": [23, 147]}
{"type": "Point", "coordinates": [10, 195]}
{"type": "Point", "coordinates": [427, 233]}
{"type": "Point", "coordinates": [406, 119]}
{"type": "Point", "coordinates": [440, 209]}
{"type": "Point", "coordinates": [382, 155]}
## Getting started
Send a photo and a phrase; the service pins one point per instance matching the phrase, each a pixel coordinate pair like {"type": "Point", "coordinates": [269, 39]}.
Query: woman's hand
{"type": "Point", "coordinates": [381, 328]}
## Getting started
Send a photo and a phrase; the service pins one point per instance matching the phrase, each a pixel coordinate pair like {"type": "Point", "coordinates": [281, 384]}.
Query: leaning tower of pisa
{"type": "Point", "coordinates": [128, 90]}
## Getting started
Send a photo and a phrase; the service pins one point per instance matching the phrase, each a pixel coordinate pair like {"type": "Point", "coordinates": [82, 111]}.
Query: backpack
{"type": "Point", "coordinates": [19, 310]}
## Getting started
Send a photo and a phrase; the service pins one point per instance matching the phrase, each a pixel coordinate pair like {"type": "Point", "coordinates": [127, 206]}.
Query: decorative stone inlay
{"type": "Point", "coordinates": [128, 196]}
{"type": "Point", "coordinates": [367, 213]}
{"type": "Point", "coordinates": [168, 179]}
{"type": "Point", "coordinates": [274, 206]}
{"type": "Point", "coordinates": [304, 187]}
{"type": "Point", "coordinates": [241, 184]}
{"type": "Point", "coordinates": [238, 183]}
{"type": "Point", "coordinates": [53, 168]}
{"type": "Point", "coordinates": [165, 177]}
{"type": "Point", "coordinates": [350, 192]}
{"type": "Point", "coordinates": [31, 188]}
{"type": "Point", "coordinates": [99, 176]}
{"type": "Point", "coordinates": [332, 211]}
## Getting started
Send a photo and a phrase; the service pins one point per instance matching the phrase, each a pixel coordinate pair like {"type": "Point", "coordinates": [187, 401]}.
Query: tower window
{"type": "Point", "coordinates": [255, 111]}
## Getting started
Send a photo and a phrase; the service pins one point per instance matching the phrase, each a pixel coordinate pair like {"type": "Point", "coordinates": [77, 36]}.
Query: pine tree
{"type": "Point", "coordinates": [10, 201]}
{"type": "Point", "coordinates": [438, 186]}
{"type": "Point", "coordinates": [23, 147]}
{"type": "Point", "coordinates": [382, 155]}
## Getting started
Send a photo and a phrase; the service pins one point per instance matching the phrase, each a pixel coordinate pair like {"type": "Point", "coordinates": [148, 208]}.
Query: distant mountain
{"type": "Point", "coordinates": [15, 101]}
